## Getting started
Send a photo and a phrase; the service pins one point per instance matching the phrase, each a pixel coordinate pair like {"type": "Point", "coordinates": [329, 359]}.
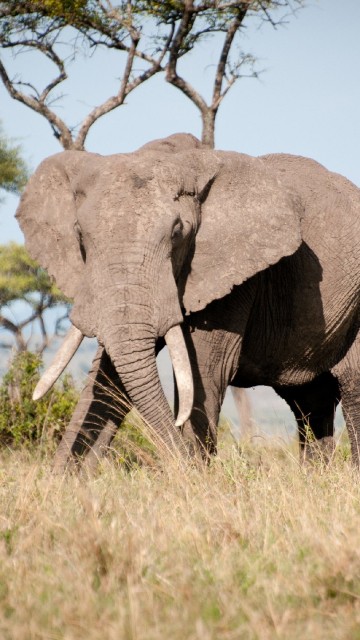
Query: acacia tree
{"type": "Point", "coordinates": [13, 171]}
{"type": "Point", "coordinates": [21, 279]}
{"type": "Point", "coordinates": [151, 36]}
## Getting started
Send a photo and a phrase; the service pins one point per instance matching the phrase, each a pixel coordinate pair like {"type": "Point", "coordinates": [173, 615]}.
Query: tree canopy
{"type": "Point", "coordinates": [151, 37]}
{"type": "Point", "coordinates": [13, 170]}
{"type": "Point", "coordinates": [21, 279]}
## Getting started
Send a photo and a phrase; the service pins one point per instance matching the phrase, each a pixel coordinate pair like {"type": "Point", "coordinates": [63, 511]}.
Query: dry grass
{"type": "Point", "coordinates": [253, 547]}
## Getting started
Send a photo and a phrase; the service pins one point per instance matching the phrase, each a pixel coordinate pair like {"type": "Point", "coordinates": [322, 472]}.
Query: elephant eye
{"type": "Point", "coordinates": [177, 232]}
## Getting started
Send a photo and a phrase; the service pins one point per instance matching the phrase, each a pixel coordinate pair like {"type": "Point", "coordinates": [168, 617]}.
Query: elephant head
{"type": "Point", "coordinates": [139, 239]}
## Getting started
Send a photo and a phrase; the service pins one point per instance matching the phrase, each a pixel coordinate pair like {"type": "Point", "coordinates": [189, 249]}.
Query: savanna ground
{"type": "Point", "coordinates": [252, 547]}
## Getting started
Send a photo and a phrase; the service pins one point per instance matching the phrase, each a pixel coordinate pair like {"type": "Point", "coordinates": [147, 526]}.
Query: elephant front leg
{"type": "Point", "coordinates": [213, 355]}
{"type": "Point", "coordinates": [200, 431]}
{"type": "Point", "coordinates": [100, 410]}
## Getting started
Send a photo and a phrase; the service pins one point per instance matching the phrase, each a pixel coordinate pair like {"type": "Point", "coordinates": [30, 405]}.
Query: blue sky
{"type": "Point", "coordinates": [306, 101]}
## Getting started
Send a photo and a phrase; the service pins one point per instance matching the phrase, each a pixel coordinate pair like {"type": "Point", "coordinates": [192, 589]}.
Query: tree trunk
{"type": "Point", "coordinates": [208, 117]}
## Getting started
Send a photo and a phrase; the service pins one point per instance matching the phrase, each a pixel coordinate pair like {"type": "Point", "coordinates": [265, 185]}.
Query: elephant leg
{"type": "Point", "coordinates": [347, 373]}
{"type": "Point", "coordinates": [200, 431]}
{"type": "Point", "coordinates": [243, 407]}
{"type": "Point", "coordinates": [213, 356]}
{"type": "Point", "coordinates": [100, 410]}
{"type": "Point", "coordinates": [313, 405]}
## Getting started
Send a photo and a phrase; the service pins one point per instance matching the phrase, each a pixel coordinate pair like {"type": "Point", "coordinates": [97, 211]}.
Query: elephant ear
{"type": "Point", "coordinates": [47, 216]}
{"type": "Point", "coordinates": [248, 222]}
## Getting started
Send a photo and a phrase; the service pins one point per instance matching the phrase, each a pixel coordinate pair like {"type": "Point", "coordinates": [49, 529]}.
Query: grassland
{"type": "Point", "coordinates": [253, 547]}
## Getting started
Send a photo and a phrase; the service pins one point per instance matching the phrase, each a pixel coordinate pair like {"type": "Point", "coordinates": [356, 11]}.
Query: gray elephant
{"type": "Point", "coordinates": [248, 267]}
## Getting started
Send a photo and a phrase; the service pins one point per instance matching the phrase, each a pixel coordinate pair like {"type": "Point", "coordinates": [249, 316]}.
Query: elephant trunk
{"type": "Point", "coordinates": [144, 305]}
{"type": "Point", "coordinates": [135, 362]}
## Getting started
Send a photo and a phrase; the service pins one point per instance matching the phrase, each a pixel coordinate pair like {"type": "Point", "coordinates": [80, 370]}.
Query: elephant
{"type": "Point", "coordinates": [249, 268]}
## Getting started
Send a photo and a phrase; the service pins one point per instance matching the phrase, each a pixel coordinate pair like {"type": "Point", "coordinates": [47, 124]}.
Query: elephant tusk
{"type": "Point", "coordinates": [63, 356]}
{"type": "Point", "coordinates": [180, 361]}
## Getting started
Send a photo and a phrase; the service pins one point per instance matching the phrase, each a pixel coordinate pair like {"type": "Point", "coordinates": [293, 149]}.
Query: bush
{"type": "Point", "coordinates": [24, 421]}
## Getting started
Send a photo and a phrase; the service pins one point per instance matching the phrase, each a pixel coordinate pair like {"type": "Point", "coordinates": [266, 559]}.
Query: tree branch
{"type": "Point", "coordinates": [221, 68]}
{"type": "Point", "coordinates": [45, 338]}
{"type": "Point", "coordinates": [14, 329]}
{"type": "Point", "coordinates": [61, 131]}
{"type": "Point", "coordinates": [172, 76]}
{"type": "Point", "coordinates": [126, 87]}
{"type": "Point", "coordinates": [119, 25]}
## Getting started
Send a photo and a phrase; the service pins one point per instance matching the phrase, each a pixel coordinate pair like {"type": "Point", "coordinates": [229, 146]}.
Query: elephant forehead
{"type": "Point", "coordinates": [131, 185]}
{"type": "Point", "coordinates": [121, 208]}
{"type": "Point", "coordinates": [172, 173]}
{"type": "Point", "coordinates": [117, 171]}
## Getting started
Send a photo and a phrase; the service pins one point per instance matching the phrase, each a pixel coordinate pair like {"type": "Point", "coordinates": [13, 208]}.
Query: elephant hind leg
{"type": "Point", "coordinates": [314, 405]}
{"type": "Point", "coordinates": [100, 410]}
{"type": "Point", "coordinates": [347, 372]}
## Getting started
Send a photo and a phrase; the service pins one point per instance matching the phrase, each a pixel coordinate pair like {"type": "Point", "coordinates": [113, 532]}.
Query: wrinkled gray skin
{"type": "Point", "coordinates": [258, 257]}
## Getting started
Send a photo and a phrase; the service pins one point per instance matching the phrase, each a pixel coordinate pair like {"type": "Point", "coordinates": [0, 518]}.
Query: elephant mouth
{"type": "Point", "coordinates": [179, 357]}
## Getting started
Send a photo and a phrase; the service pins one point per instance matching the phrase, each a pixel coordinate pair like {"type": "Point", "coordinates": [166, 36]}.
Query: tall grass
{"type": "Point", "coordinates": [252, 547]}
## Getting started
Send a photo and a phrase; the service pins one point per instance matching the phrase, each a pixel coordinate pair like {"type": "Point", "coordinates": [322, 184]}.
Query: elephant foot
{"type": "Point", "coordinates": [200, 452]}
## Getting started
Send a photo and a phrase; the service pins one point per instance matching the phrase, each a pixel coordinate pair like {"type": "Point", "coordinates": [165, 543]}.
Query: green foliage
{"type": "Point", "coordinates": [59, 7]}
{"type": "Point", "coordinates": [13, 171]}
{"type": "Point", "coordinates": [84, 15]}
{"type": "Point", "coordinates": [43, 17]}
{"type": "Point", "coordinates": [169, 11]}
{"type": "Point", "coordinates": [21, 278]}
{"type": "Point", "coordinates": [25, 422]}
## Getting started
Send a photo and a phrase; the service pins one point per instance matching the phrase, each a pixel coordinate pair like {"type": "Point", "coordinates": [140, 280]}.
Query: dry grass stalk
{"type": "Point", "coordinates": [251, 547]}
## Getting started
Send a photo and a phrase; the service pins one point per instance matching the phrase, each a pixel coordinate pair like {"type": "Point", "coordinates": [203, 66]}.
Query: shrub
{"type": "Point", "coordinates": [24, 421]}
